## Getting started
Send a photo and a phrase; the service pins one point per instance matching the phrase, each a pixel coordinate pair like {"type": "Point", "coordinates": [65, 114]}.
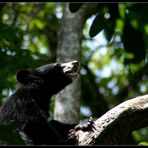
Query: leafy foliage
{"type": "Point", "coordinates": [11, 130]}
{"type": "Point", "coordinates": [23, 43]}
{"type": "Point", "coordinates": [133, 38]}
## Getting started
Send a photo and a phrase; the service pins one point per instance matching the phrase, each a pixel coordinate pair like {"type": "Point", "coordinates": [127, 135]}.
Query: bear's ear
{"type": "Point", "coordinates": [28, 76]}
{"type": "Point", "coordinates": [22, 75]}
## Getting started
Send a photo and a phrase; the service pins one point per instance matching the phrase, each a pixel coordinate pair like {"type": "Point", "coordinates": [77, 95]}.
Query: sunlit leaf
{"type": "Point", "coordinates": [122, 9]}
{"type": "Point", "coordinates": [38, 23]}
{"type": "Point", "coordinates": [144, 143]}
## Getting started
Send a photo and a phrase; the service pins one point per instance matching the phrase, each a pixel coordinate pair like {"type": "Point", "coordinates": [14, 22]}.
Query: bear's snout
{"type": "Point", "coordinates": [71, 69]}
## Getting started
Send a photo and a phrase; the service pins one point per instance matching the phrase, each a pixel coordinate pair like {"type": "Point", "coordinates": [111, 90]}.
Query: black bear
{"type": "Point", "coordinates": [29, 104]}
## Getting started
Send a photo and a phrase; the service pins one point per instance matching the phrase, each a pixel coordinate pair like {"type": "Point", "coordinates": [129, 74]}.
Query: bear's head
{"type": "Point", "coordinates": [43, 82]}
{"type": "Point", "coordinates": [52, 77]}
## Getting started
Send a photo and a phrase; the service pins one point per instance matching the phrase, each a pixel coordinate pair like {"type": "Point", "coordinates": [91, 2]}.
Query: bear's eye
{"type": "Point", "coordinates": [57, 64]}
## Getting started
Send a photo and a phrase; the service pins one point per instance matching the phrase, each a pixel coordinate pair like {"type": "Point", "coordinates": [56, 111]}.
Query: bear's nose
{"type": "Point", "coordinates": [75, 63]}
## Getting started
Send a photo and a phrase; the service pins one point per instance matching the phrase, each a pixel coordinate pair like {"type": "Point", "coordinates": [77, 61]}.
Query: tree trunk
{"type": "Point", "coordinates": [67, 103]}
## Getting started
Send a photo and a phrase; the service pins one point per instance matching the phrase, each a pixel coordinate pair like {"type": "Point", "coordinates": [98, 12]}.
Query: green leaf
{"type": "Point", "coordinates": [73, 7]}
{"type": "Point", "coordinates": [10, 134]}
{"type": "Point", "coordinates": [133, 42]}
{"type": "Point", "coordinates": [144, 143]}
{"type": "Point", "coordinates": [97, 25]}
{"type": "Point", "coordinates": [109, 29]}
{"type": "Point", "coordinates": [111, 23]}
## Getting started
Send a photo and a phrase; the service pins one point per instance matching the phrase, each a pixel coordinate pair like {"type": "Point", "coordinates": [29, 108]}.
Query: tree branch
{"type": "Point", "coordinates": [117, 123]}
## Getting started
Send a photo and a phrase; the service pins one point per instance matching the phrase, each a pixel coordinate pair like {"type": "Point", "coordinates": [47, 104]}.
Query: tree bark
{"type": "Point", "coordinates": [67, 103]}
{"type": "Point", "coordinates": [113, 127]}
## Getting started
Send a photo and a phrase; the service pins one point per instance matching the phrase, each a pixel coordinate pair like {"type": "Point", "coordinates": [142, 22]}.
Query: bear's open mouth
{"type": "Point", "coordinates": [71, 69]}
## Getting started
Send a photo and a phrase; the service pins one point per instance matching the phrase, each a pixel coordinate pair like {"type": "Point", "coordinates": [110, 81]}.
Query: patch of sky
{"type": "Point", "coordinates": [113, 87]}
{"type": "Point", "coordinates": [83, 71]}
{"type": "Point", "coordinates": [26, 42]}
{"type": "Point", "coordinates": [43, 49]}
{"type": "Point", "coordinates": [143, 88]}
{"type": "Point", "coordinates": [59, 13]}
{"type": "Point", "coordinates": [115, 90]}
{"type": "Point", "coordinates": [112, 83]}
{"type": "Point", "coordinates": [24, 27]}
{"type": "Point", "coordinates": [85, 111]}
{"type": "Point", "coordinates": [6, 92]}
{"type": "Point", "coordinates": [106, 71]}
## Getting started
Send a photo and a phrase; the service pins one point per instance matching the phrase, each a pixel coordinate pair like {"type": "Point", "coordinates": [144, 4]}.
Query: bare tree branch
{"type": "Point", "coordinates": [117, 123]}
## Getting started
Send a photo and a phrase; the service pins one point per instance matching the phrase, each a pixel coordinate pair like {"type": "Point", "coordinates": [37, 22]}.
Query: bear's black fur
{"type": "Point", "coordinates": [29, 104]}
